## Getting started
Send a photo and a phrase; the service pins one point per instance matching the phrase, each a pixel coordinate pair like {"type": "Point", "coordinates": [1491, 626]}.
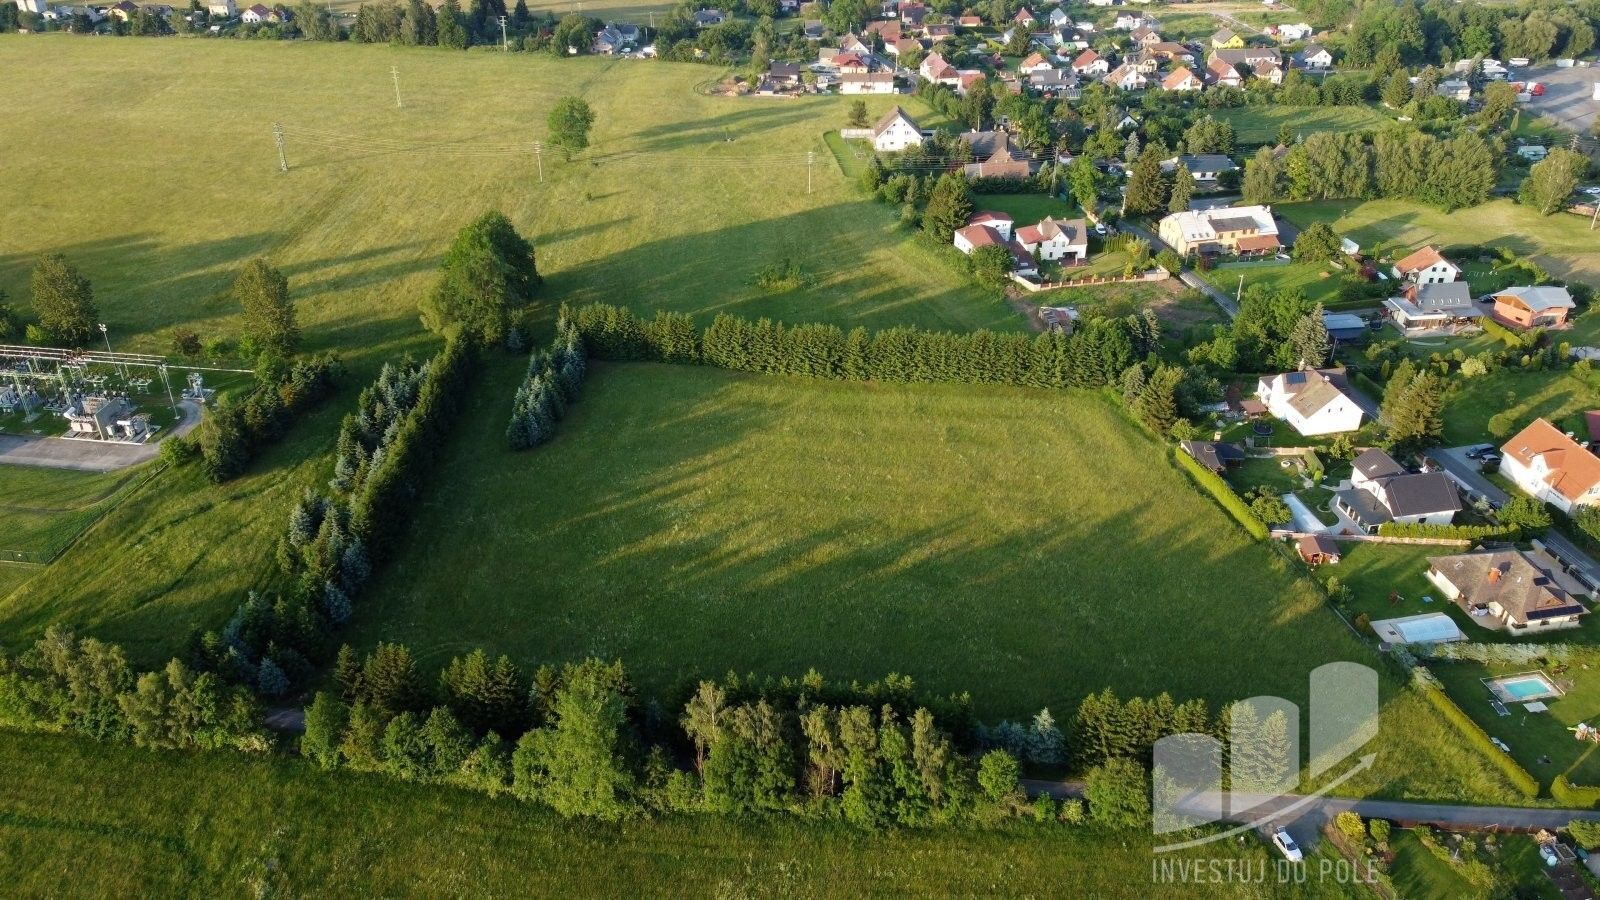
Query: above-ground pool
{"type": "Point", "coordinates": [1522, 687]}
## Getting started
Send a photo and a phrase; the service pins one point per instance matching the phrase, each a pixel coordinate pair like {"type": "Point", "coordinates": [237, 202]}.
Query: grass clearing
{"type": "Point", "coordinates": [1259, 124]}
{"type": "Point", "coordinates": [1562, 244]}
{"type": "Point", "coordinates": [1319, 283]}
{"type": "Point", "coordinates": [1539, 741]}
{"type": "Point", "coordinates": [88, 819]}
{"type": "Point", "coordinates": [44, 509]}
{"type": "Point", "coordinates": [1027, 209]}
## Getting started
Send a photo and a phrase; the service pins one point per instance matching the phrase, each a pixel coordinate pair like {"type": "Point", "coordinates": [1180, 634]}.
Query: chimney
{"type": "Point", "coordinates": [1494, 574]}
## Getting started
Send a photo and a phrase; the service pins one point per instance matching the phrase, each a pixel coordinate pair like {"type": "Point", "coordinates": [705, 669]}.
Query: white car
{"type": "Point", "coordinates": [1592, 191]}
{"type": "Point", "coordinates": [1286, 845]}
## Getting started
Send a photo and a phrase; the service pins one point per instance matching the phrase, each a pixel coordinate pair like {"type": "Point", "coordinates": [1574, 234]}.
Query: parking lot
{"type": "Point", "coordinates": [1568, 95]}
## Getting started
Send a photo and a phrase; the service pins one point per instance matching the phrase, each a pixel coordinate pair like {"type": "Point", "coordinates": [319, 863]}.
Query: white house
{"type": "Point", "coordinates": [1382, 491]}
{"type": "Point", "coordinates": [33, 6]}
{"type": "Point", "coordinates": [1548, 465]}
{"type": "Point", "coordinates": [1066, 240]}
{"type": "Point", "coordinates": [1181, 79]}
{"type": "Point", "coordinates": [895, 131]}
{"type": "Point", "coordinates": [993, 229]}
{"type": "Point", "coordinates": [934, 68]}
{"type": "Point", "coordinates": [1128, 21]}
{"type": "Point", "coordinates": [1299, 31]}
{"type": "Point", "coordinates": [1243, 230]}
{"type": "Point", "coordinates": [1310, 401]}
{"type": "Point", "coordinates": [1036, 62]}
{"type": "Point", "coordinates": [255, 15]}
{"type": "Point", "coordinates": [1314, 57]}
{"type": "Point", "coordinates": [1127, 78]}
{"type": "Point", "coordinates": [1090, 64]}
{"type": "Point", "coordinates": [1426, 266]}
{"type": "Point", "coordinates": [867, 83]}
{"type": "Point", "coordinates": [225, 8]}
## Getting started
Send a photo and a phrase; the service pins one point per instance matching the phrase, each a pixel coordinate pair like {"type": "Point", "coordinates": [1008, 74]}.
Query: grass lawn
{"type": "Point", "coordinates": [1419, 875]}
{"type": "Point", "coordinates": [44, 509]}
{"type": "Point", "coordinates": [84, 819]}
{"type": "Point", "coordinates": [1259, 124]}
{"type": "Point", "coordinates": [1535, 736]}
{"type": "Point", "coordinates": [1267, 473]}
{"type": "Point", "coordinates": [1555, 395]}
{"type": "Point", "coordinates": [1389, 581]}
{"type": "Point", "coordinates": [1561, 244]}
{"type": "Point", "coordinates": [1027, 209]}
{"type": "Point", "coordinates": [1318, 283]}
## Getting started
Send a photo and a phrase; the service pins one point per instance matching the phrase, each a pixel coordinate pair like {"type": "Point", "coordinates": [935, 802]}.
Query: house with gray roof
{"type": "Point", "coordinates": [1383, 491]}
{"type": "Point", "coordinates": [1426, 307]}
{"type": "Point", "coordinates": [1509, 590]}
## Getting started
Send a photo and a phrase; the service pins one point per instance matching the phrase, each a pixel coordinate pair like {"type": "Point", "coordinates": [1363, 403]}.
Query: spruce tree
{"type": "Point", "coordinates": [1310, 340]}
{"type": "Point", "coordinates": [948, 209]}
{"type": "Point", "coordinates": [1182, 189]}
{"type": "Point", "coordinates": [1146, 186]}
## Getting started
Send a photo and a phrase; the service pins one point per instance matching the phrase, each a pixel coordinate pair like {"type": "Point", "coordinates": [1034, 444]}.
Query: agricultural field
{"type": "Point", "coordinates": [1259, 124]}
{"type": "Point", "coordinates": [1562, 244]}
{"type": "Point", "coordinates": [101, 820]}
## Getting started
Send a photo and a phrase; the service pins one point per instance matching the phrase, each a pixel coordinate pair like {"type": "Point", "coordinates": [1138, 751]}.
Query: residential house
{"type": "Point", "coordinates": [911, 15]}
{"type": "Point", "coordinates": [935, 69]}
{"type": "Point", "coordinates": [1126, 77]}
{"type": "Point", "coordinates": [614, 39]}
{"type": "Point", "coordinates": [937, 33]}
{"type": "Point", "coordinates": [1533, 152]}
{"type": "Point", "coordinates": [1545, 306]}
{"type": "Point", "coordinates": [1102, 2]}
{"type": "Point", "coordinates": [852, 44]}
{"type": "Point", "coordinates": [904, 46]}
{"type": "Point", "coordinates": [1023, 18]}
{"type": "Point", "coordinates": [895, 131]}
{"type": "Point", "coordinates": [704, 18]}
{"type": "Point", "coordinates": [1270, 72]}
{"type": "Point", "coordinates": [1239, 229]}
{"type": "Point", "coordinates": [1382, 491]}
{"type": "Point", "coordinates": [1314, 58]}
{"type": "Point", "coordinates": [1509, 590]}
{"type": "Point", "coordinates": [970, 22]}
{"type": "Point", "coordinates": [1145, 36]}
{"type": "Point", "coordinates": [1288, 34]}
{"type": "Point", "coordinates": [1181, 79]}
{"type": "Point", "coordinates": [125, 12]}
{"type": "Point", "coordinates": [1313, 401]}
{"type": "Point", "coordinates": [1090, 64]}
{"type": "Point", "coordinates": [255, 15]}
{"type": "Point", "coordinates": [1549, 465]}
{"type": "Point", "coordinates": [870, 83]}
{"type": "Point", "coordinates": [1222, 73]}
{"type": "Point", "coordinates": [1426, 266]}
{"type": "Point", "coordinates": [1457, 89]}
{"type": "Point", "coordinates": [1215, 456]}
{"type": "Point", "coordinates": [1065, 241]}
{"type": "Point", "coordinates": [1205, 167]}
{"type": "Point", "coordinates": [1058, 18]}
{"type": "Point", "coordinates": [1253, 57]}
{"type": "Point", "coordinates": [995, 158]}
{"type": "Point", "coordinates": [1036, 62]}
{"type": "Point", "coordinates": [1426, 307]}
{"type": "Point", "coordinates": [992, 229]}
{"type": "Point", "coordinates": [1129, 21]}
{"type": "Point", "coordinates": [1168, 51]}
{"type": "Point", "coordinates": [850, 64]}
{"type": "Point", "coordinates": [1056, 82]}
{"type": "Point", "coordinates": [888, 31]}
{"type": "Point", "coordinates": [223, 8]}
{"type": "Point", "coordinates": [39, 7]}
{"type": "Point", "coordinates": [1225, 39]}
{"type": "Point", "coordinates": [813, 30]}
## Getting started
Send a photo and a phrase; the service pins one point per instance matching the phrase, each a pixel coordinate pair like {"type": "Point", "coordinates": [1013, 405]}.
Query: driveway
{"type": "Point", "coordinates": [87, 455]}
{"type": "Point", "coordinates": [1465, 472]}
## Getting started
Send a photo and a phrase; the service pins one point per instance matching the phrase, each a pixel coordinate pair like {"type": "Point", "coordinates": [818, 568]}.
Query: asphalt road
{"type": "Point", "coordinates": [1568, 95]}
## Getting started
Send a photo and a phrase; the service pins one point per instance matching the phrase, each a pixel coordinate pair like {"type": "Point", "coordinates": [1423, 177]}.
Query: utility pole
{"type": "Point", "coordinates": [538, 154]}
{"type": "Point", "coordinates": [1238, 298]}
{"type": "Point", "coordinates": [395, 71]}
{"type": "Point", "coordinates": [277, 135]}
{"type": "Point", "coordinates": [1596, 204]}
{"type": "Point", "coordinates": [810, 157]}
{"type": "Point", "coordinates": [504, 44]}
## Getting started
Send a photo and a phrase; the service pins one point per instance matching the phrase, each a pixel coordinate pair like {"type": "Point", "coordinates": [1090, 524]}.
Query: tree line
{"type": "Point", "coordinates": [232, 434]}
{"type": "Point", "coordinates": [552, 383]}
{"type": "Point", "coordinates": [1400, 163]}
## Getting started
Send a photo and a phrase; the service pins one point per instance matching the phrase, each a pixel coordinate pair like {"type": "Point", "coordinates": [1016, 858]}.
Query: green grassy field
{"type": "Point", "coordinates": [1260, 124]}
{"type": "Point", "coordinates": [82, 819]}
{"type": "Point", "coordinates": [1535, 737]}
{"type": "Point", "coordinates": [44, 509]}
{"type": "Point", "coordinates": [1562, 244]}
{"type": "Point", "coordinates": [1306, 278]}
{"type": "Point", "coordinates": [1027, 209]}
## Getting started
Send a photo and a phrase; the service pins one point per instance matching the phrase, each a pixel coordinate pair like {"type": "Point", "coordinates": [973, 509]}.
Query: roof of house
{"type": "Point", "coordinates": [1076, 231]}
{"type": "Point", "coordinates": [1313, 50]}
{"type": "Point", "coordinates": [1214, 455]}
{"type": "Point", "coordinates": [892, 116]}
{"type": "Point", "coordinates": [1221, 68]}
{"type": "Point", "coordinates": [1317, 545]}
{"type": "Point", "coordinates": [1087, 57]}
{"type": "Point", "coordinates": [1421, 494]}
{"type": "Point", "coordinates": [1525, 590]}
{"type": "Point", "coordinates": [784, 70]}
{"type": "Point", "coordinates": [1168, 48]}
{"type": "Point", "coordinates": [1572, 469]}
{"type": "Point", "coordinates": [981, 236]}
{"type": "Point", "coordinates": [1142, 32]}
{"type": "Point", "coordinates": [1247, 55]}
{"type": "Point", "coordinates": [1255, 243]}
{"type": "Point", "coordinates": [1179, 76]}
{"type": "Point", "coordinates": [1437, 296]}
{"type": "Point", "coordinates": [1375, 463]}
{"type": "Point", "coordinates": [867, 78]}
{"type": "Point", "coordinates": [847, 59]}
{"type": "Point", "coordinates": [1223, 36]}
{"type": "Point", "coordinates": [985, 216]}
{"type": "Point", "coordinates": [1540, 298]}
{"type": "Point", "coordinates": [1309, 390]}
{"type": "Point", "coordinates": [1420, 260]}
{"type": "Point", "coordinates": [1022, 15]}
{"type": "Point", "coordinates": [1034, 59]}
{"type": "Point", "coordinates": [985, 143]}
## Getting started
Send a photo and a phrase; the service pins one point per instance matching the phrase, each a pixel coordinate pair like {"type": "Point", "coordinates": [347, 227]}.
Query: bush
{"type": "Point", "coordinates": [1350, 825]}
{"type": "Point", "coordinates": [1584, 832]}
{"type": "Point", "coordinates": [1513, 339]}
{"type": "Point", "coordinates": [998, 774]}
{"type": "Point", "coordinates": [1576, 796]}
{"type": "Point", "coordinates": [1379, 829]}
{"type": "Point", "coordinates": [1119, 794]}
{"type": "Point", "coordinates": [185, 342]}
{"type": "Point", "coordinates": [176, 451]}
{"type": "Point", "coordinates": [1224, 494]}
{"type": "Point", "coordinates": [1456, 532]}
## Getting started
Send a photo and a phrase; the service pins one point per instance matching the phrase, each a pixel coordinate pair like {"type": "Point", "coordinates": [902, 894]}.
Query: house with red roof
{"type": "Point", "coordinates": [1426, 266]}
{"type": "Point", "coordinates": [1181, 79]}
{"type": "Point", "coordinates": [1548, 465]}
{"type": "Point", "coordinates": [1090, 64]}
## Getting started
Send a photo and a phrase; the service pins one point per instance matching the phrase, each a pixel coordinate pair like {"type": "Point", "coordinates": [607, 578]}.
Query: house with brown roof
{"type": "Point", "coordinates": [1312, 401]}
{"type": "Point", "coordinates": [850, 64]}
{"type": "Point", "coordinates": [1222, 73]}
{"type": "Point", "coordinates": [869, 83]}
{"type": "Point", "coordinates": [895, 132]}
{"type": "Point", "coordinates": [970, 21]}
{"type": "Point", "coordinates": [1145, 36]}
{"type": "Point", "coordinates": [1065, 241]}
{"type": "Point", "coordinates": [994, 229]}
{"type": "Point", "coordinates": [1005, 161]}
{"type": "Point", "coordinates": [1548, 465]}
{"type": "Point", "coordinates": [1023, 17]}
{"type": "Point", "coordinates": [1090, 64]}
{"type": "Point", "coordinates": [1036, 62]}
{"type": "Point", "coordinates": [1126, 77]}
{"type": "Point", "coordinates": [1509, 590]}
{"type": "Point", "coordinates": [1544, 306]}
{"type": "Point", "coordinates": [1243, 230]}
{"type": "Point", "coordinates": [1181, 79]}
{"type": "Point", "coordinates": [1317, 549]}
{"type": "Point", "coordinates": [935, 69]}
{"type": "Point", "coordinates": [1426, 266]}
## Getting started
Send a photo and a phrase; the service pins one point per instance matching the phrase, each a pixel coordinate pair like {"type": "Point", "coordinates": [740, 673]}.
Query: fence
{"type": "Point", "coordinates": [1376, 538]}
{"type": "Point", "coordinates": [1157, 274]}
{"type": "Point", "coordinates": [855, 134]}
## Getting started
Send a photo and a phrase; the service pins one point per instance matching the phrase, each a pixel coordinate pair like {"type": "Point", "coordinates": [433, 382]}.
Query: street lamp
{"type": "Point", "coordinates": [107, 335]}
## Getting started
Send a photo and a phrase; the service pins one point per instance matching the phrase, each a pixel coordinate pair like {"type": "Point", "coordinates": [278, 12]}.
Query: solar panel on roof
{"type": "Point", "coordinates": [1295, 378]}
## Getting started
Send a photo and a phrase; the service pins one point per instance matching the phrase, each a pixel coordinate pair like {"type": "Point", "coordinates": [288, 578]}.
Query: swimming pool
{"type": "Point", "coordinates": [1522, 687]}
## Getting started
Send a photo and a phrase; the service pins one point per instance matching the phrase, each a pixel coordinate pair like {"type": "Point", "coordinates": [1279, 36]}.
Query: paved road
{"type": "Point", "coordinates": [86, 456]}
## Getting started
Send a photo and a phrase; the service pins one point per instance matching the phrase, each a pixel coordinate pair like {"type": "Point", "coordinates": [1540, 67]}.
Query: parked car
{"type": "Point", "coordinates": [1490, 461]}
{"type": "Point", "coordinates": [1478, 451]}
{"type": "Point", "coordinates": [1286, 845]}
{"type": "Point", "coordinates": [1099, 229]}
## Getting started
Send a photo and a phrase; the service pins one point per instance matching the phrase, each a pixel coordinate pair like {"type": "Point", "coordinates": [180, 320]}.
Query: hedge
{"type": "Point", "coordinates": [1576, 796]}
{"type": "Point", "coordinates": [1514, 772]}
{"type": "Point", "coordinates": [1224, 494]}
{"type": "Point", "coordinates": [1461, 532]}
{"type": "Point", "coordinates": [1364, 382]}
{"type": "Point", "coordinates": [1512, 339]}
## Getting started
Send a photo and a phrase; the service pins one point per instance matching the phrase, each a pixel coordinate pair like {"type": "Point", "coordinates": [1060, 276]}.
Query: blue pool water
{"type": "Point", "coordinates": [1523, 688]}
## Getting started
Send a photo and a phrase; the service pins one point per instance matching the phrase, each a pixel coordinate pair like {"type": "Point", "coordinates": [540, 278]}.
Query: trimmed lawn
{"type": "Point", "coordinates": [1319, 283]}
{"type": "Point", "coordinates": [1027, 209]}
{"type": "Point", "coordinates": [1388, 581]}
{"type": "Point", "coordinates": [1535, 736]}
{"type": "Point", "coordinates": [1259, 124]}
{"type": "Point", "coordinates": [44, 509]}
{"type": "Point", "coordinates": [84, 819]}
{"type": "Point", "coordinates": [1267, 473]}
{"type": "Point", "coordinates": [1419, 875]}
{"type": "Point", "coordinates": [1562, 244]}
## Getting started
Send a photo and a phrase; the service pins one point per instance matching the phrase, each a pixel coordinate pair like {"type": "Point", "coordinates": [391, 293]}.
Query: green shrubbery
{"type": "Point", "coordinates": [1576, 796]}
{"type": "Point", "coordinates": [552, 384]}
{"type": "Point", "coordinates": [232, 434]}
{"type": "Point", "coordinates": [1224, 494]}
{"type": "Point", "coordinates": [1457, 532]}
